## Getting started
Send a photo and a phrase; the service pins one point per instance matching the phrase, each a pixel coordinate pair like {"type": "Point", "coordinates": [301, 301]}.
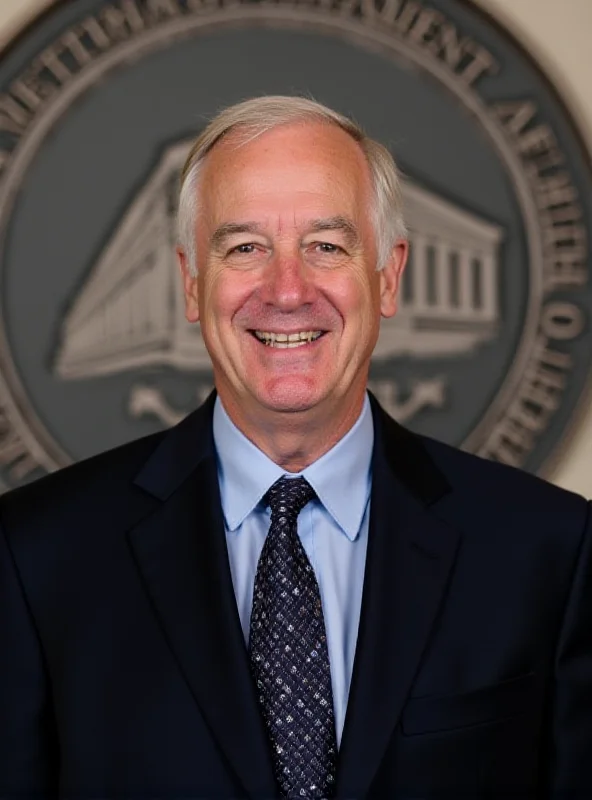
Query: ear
{"type": "Point", "coordinates": [390, 277]}
{"type": "Point", "coordinates": [189, 286]}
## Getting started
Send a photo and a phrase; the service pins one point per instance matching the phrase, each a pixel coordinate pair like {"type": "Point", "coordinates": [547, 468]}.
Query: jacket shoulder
{"type": "Point", "coordinates": [493, 485]}
{"type": "Point", "coordinates": [85, 484]}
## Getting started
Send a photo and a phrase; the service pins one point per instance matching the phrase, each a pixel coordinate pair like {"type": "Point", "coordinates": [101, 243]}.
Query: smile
{"type": "Point", "coordinates": [283, 340]}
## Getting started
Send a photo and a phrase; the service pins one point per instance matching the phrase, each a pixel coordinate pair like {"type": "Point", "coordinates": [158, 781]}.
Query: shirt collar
{"type": "Point", "coordinates": [341, 478]}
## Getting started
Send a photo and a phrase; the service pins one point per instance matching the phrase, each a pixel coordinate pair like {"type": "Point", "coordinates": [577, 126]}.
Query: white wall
{"type": "Point", "coordinates": [557, 33]}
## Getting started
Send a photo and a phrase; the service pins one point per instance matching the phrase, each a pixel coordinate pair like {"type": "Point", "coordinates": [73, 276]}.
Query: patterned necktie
{"type": "Point", "coordinates": [288, 652]}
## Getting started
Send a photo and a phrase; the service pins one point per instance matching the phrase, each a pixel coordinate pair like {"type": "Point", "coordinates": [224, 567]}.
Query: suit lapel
{"type": "Point", "coordinates": [409, 559]}
{"type": "Point", "coordinates": [181, 553]}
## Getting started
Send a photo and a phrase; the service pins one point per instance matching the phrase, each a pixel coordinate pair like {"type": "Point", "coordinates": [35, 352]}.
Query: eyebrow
{"type": "Point", "coordinates": [337, 223]}
{"type": "Point", "coordinates": [227, 229]}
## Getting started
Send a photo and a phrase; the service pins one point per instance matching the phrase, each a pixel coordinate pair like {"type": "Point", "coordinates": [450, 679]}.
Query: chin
{"type": "Point", "coordinates": [290, 395]}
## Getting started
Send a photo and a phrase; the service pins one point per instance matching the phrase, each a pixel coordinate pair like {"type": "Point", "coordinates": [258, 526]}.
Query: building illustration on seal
{"type": "Point", "coordinates": [129, 314]}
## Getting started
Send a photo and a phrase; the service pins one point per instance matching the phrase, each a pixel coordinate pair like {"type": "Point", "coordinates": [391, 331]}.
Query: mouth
{"type": "Point", "coordinates": [287, 340]}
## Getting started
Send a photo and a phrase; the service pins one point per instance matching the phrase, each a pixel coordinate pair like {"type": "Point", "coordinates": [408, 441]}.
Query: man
{"type": "Point", "coordinates": [288, 593]}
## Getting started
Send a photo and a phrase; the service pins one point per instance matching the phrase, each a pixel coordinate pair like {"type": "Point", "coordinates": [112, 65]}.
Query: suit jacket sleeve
{"type": "Point", "coordinates": [27, 741]}
{"type": "Point", "coordinates": [570, 746]}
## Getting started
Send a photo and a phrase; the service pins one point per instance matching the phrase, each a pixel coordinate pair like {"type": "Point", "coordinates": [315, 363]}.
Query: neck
{"type": "Point", "coordinates": [294, 440]}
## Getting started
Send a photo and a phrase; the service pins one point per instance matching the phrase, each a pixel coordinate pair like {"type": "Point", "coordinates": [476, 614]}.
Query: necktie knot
{"type": "Point", "coordinates": [287, 497]}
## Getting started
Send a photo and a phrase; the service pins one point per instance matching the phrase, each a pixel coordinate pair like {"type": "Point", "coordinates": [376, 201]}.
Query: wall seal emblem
{"type": "Point", "coordinates": [491, 348]}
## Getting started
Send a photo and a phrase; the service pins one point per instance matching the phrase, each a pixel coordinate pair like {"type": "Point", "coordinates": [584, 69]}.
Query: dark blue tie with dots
{"type": "Point", "coordinates": [288, 652]}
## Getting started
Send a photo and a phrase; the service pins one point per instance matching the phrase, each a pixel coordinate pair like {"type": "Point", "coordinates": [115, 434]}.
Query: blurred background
{"type": "Point", "coordinates": [492, 348]}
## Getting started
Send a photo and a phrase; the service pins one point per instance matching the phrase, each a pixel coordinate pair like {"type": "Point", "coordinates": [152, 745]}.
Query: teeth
{"type": "Point", "coordinates": [283, 340]}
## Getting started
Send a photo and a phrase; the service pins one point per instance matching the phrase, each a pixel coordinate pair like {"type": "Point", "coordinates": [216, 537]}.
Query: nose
{"type": "Point", "coordinates": [287, 283]}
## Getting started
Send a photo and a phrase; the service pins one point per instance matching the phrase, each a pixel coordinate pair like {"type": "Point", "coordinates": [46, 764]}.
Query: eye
{"type": "Point", "coordinates": [244, 249]}
{"type": "Point", "coordinates": [327, 247]}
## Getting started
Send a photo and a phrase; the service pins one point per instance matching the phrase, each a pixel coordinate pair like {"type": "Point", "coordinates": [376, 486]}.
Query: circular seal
{"type": "Point", "coordinates": [99, 100]}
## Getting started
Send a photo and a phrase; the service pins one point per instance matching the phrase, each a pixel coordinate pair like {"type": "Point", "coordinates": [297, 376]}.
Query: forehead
{"type": "Point", "coordinates": [301, 160]}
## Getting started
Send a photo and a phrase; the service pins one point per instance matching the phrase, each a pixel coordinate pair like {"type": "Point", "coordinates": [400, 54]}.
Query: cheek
{"type": "Point", "coordinates": [224, 293]}
{"type": "Point", "coordinates": [354, 296]}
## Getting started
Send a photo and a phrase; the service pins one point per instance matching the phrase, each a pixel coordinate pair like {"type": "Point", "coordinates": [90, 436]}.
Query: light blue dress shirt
{"type": "Point", "coordinates": [333, 530]}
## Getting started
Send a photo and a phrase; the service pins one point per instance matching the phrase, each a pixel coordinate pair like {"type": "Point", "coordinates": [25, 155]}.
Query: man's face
{"type": "Point", "coordinates": [287, 292]}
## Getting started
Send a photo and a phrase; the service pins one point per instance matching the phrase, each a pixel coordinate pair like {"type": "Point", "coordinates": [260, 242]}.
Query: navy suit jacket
{"type": "Point", "coordinates": [123, 668]}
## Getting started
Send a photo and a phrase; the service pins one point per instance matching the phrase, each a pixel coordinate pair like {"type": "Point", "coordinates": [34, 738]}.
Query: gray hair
{"type": "Point", "coordinates": [261, 114]}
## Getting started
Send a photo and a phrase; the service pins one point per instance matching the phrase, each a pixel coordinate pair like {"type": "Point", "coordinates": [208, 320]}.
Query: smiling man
{"type": "Point", "coordinates": [287, 291]}
{"type": "Point", "coordinates": [289, 594]}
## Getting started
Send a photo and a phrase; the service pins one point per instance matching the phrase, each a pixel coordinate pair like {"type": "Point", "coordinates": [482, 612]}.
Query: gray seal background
{"type": "Point", "coordinates": [89, 168]}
